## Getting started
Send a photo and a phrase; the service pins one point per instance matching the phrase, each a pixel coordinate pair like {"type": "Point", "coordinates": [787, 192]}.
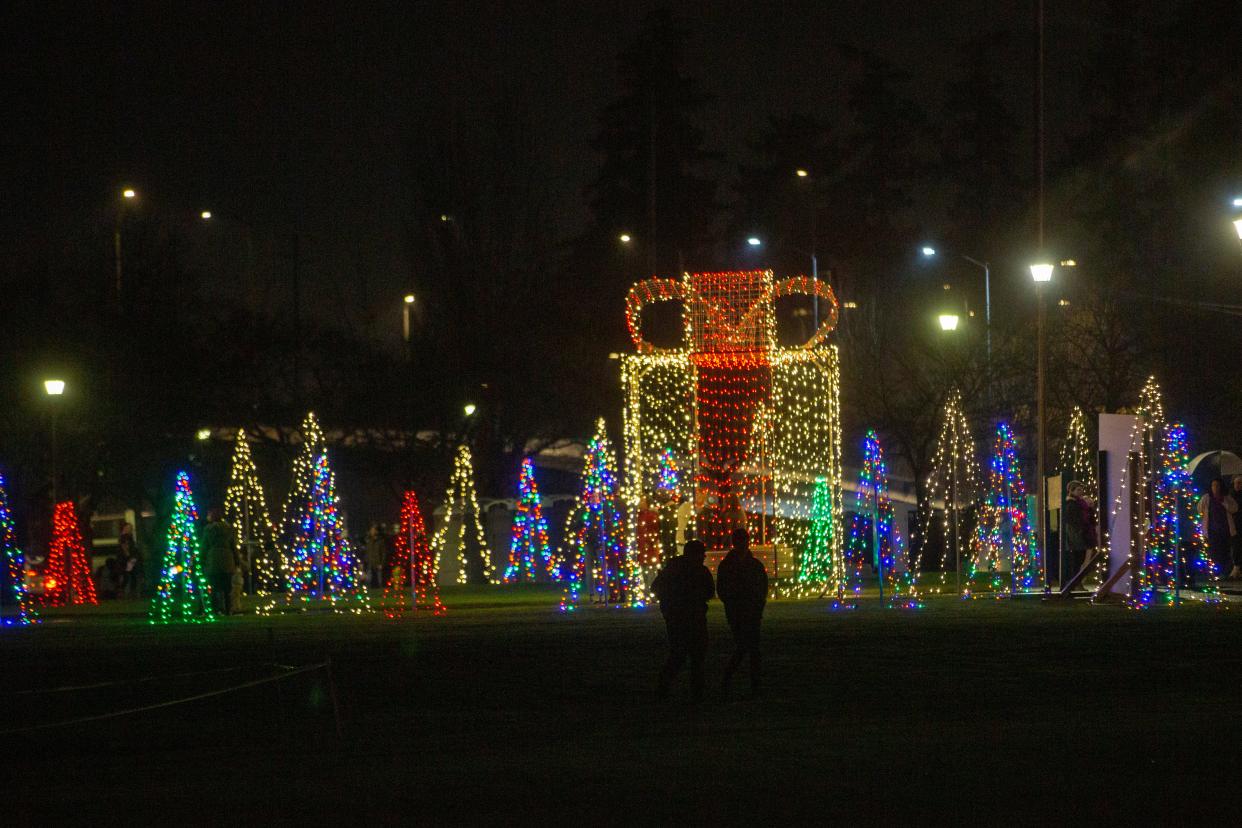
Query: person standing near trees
{"type": "Point", "coordinates": [220, 555]}
{"type": "Point", "coordinates": [1216, 511]}
{"type": "Point", "coordinates": [683, 588]}
{"type": "Point", "coordinates": [742, 584]}
{"type": "Point", "coordinates": [1080, 528]}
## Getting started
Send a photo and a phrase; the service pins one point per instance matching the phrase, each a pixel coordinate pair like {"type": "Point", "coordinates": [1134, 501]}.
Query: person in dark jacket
{"type": "Point", "coordinates": [742, 584]}
{"type": "Point", "coordinates": [683, 588]}
{"type": "Point", "coordinates": [220, 560]}
{"type": "Point", "coordinates": [1080, 527]}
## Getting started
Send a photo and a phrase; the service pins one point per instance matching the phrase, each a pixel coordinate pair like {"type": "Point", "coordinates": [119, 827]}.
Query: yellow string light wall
{"type": "Point", "coordinates": [752, 423]}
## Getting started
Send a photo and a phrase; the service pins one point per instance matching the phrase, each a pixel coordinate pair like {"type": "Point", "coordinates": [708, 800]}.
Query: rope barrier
{"type": "Point", "coordinates": [197, 697]}
{"type": "Point", "coordinates": [69, 688]}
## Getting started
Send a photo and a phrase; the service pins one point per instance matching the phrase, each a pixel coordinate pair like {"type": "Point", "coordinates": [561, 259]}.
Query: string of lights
{"type": "Point", "coordinates": [321, 565]}
{"type": "Point", "coordinates": [245, 509]}
{"type": "Point", "coordinates": [67, 573]}
{"type": "Point", "coordinates": [461, 504]}
{"type": "Point", "coordinates": [529, 552]}
{"type": "Point", "coordinates": [15, 562]}
{"type": "Point", "coordinates": [953, 483]}
{"type": "Point", "coordinates": [754, 425]}
{"type": "Point", "coordinates": [412, 558]}
{"type": "Point", "coordinates": [595, 536]}
{"type": "Point", "coordinates": [874, 537]}
{"type": "Point", "coordinates": [182, 593]}
{"type": "Point", "coordinates": [1003, 537]}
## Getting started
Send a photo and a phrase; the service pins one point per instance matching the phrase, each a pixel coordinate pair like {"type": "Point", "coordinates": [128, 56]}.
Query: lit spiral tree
{"type": "Point", "coordinates": [529, 554]}
{"type": "Point", "coordinates": [461, 505]}
{"type": "Point", "coordinates": [412, 582]}
{"type": "Point", "coordinates": [182, 593]}
{"type": "Point", "coordinates": [321, 565]}
{"type": "Point", "coordinates": [1176, 549]}
{"type": "Point", "coordinates": [954, 482]}
{"type": "Point", "coordinates": [874, 537]}
{"type": "Point", "coordinates": [15, 562]}
{"type": "Point", "coordinates": [595, 535]}
{"type": "Point", "coordinates": [67, 574]}
{"type": "Point", "coordinates": [245, 508]}
{"type": "Point", "coordinates": [1003, 533]}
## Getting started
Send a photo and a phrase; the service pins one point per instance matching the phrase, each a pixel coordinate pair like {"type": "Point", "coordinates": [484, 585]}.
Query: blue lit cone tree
{"type": "Point", "coordinates": [15, 598]}
{"type": "Point", "coordinates": [320, 563]}
{"type": "Point", "coordinates": [1003, 537]}
{"type": "Point", "coordinates": [182, 593]}
{"type": "Point", "coordinates": [595, 535]}
{"type": "Point", "coordinates": [530, 556]}
{"type": "Point", "coordinates": [874, 538]}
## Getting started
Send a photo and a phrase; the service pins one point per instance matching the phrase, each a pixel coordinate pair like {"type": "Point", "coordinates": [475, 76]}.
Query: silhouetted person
{"type": "Point", "coordinates": [220, 560]}
{"type": "Point", "coordinates": [742, 584]}
{"type": "Point", "coordinates": [683, 588]}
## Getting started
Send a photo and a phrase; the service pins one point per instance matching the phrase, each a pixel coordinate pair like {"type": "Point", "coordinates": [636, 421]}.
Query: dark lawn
{"type": "Point", "coordinates": [507, 711]}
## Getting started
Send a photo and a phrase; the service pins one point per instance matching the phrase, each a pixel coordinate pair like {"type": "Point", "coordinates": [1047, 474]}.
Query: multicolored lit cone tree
{"type": "Point", "coordinates": [245, 508]}
{"type": "Point", "coordinates": [1176, 549]}
{"type": "Point", "coordinates": [874, 536]}
{"type": "Point", "coordinates": [302, 482]}
{"type": "Point", "coordinates": [461, 504]}
{"type": "Point", "coordinates": [15, 565]}
{"type": "Point", "coordinates": [67, 574]}
{"type": "Point", "coordinates": [182, 593]}
{"type": "Point", "coordinates": [1003, 533]}
{"type": "Point", "coordinates": [595, 535]}
{"type": "Point", "coordinates": [529, 554]}
{"type": "Point", "coordinates": [412, 558]}
{"type": "Point", "coordinates": [953, 482]}
{"type": "Point", "coordinates": [819, 566]}
{"type": "Point", "coordinates": [320, 563]}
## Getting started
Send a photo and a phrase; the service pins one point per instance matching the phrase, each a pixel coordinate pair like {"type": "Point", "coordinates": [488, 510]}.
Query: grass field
{"type": "Point", "coordinates": [505, 710]}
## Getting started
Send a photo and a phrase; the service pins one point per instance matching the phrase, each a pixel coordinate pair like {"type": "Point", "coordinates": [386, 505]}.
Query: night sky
{"type": "Point", "coordinates": [299, 116]}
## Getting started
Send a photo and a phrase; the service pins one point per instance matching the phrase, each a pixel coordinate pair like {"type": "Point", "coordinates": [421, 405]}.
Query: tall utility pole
{"type": "Point", "coordinates": [651, 185]}
{"type": "Point", "coordinates": [1041, 493]}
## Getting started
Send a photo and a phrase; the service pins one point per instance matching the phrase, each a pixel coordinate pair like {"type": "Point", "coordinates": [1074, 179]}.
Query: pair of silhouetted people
{"type": "Point", "coordinates": [683, 589]}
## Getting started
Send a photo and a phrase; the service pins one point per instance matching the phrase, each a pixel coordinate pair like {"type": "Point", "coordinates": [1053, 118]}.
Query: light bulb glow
{"type": "Point", "coordinates": [948, 321]}
{"type": "Point", "coordinates": [54, 387]}
{"type": "Point", "coordinates": [1041, 272]}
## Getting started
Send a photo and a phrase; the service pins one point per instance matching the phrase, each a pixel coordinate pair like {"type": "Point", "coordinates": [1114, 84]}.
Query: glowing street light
{"type": "Point", "coordinates": [929, 251]}
{"type": "Point", "coordinates": [801, 173]}
{"type": "Point", "coordinates": [128, 193]}
{"type": "Point", "coordinates": [470, 409]}
{"type": "Point", "coordinates": [948, 321]}
{"type": "Point", "coordinates": [1237, 202]}
{"type": "Point", "coordinates": [754, 241]}
{"type": "Point", "coordinates": [407, 302]}
{"type": "Point", "coordinates": [1237, 225]}
{"type": "Point", "coordinates": [203, 434]}
{"type": "Point", "coordinates": [1041, 272]}
{"type": "Point", "coordinates": [205, 215]}
{"type": "Point", "coordinates": [625, 238]}
{"type": "Point", "coordinates": [54, 388]}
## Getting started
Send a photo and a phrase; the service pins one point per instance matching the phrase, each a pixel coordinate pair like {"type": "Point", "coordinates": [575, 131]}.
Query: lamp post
{"type": "Point", "coordinates": [407, 302]}
{"type": "Point", "coordinates": [1041, 274]}
{"type": "Point", "coordinates": [810, 202]}
{"type": "Point", "coordinates": [127, 195]}
{"type": "Point", "coordinates": [930, 252]}
{"type": "Point", "coordinates": [54, 388]}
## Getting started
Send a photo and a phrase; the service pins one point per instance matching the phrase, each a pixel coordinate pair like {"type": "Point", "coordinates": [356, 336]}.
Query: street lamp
{"type": "Point", "coordinates": [470, 409]}
{"type": "Point", "coordinates": [948, 321]}
{"type": "Point", "coordinates": [754, 241]}
{"type": "Point", "coordinates": [126, 195]}
{"type": "Point", "coordinates": [801, 173]}
{"type": "Point", "coordinates": [1041, 274]}
{"type": "Point", "coordinates": [205, 215]}
{"type": "Point", "coordinates": [930, 252]}
{"type": "Point", "coordinates": [625, 238]}
{"type": "Point", "coordinates": [54, 388]}
{"type": "Point", "coordinates": [407, 302]}
{"type": "Point", "coordinates": [1237, 225]}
